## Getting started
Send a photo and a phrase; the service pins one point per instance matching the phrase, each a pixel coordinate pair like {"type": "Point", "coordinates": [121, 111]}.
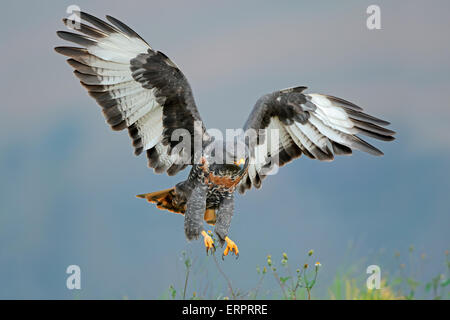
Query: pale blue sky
{"type": "Point", "coordinates": [68, 182]}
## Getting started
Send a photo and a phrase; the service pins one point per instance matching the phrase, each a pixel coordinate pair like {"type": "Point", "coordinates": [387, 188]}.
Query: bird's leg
{"type": "Point", "coordinates": [223, 222]}
{"type": "Point", "coordinates": [209, 242]}
{"type": "Point", "coordinates": [231, 247]}
{"type": "Point", "coordinates": [195, 210]}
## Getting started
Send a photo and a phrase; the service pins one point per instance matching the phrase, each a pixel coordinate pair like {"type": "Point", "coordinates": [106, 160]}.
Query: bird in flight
{"type": "Point", "coordinates": [142, 90]}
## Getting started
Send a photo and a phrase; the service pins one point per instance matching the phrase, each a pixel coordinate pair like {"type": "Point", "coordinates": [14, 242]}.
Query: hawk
{"type": "Point", "coordinates": [140, 89]}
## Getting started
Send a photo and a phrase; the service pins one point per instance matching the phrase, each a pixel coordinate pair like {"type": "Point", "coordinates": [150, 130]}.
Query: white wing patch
{"type": "Point", "coordinates": [103, 66]}
{"type": "Point", "coordinates": [330, 114]}
{"type": "Point", "coordinates": [106, 64]}
{"type": "Point", "coordinates": [151, 127]}
{"type": "Point", "coordinates": [329, 128]}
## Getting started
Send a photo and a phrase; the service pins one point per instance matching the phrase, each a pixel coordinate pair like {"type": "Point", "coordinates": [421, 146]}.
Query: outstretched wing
{"type": "Point", "coordinates": [137, 87]}
{"type": "Point", "coordinates": [319, 126]}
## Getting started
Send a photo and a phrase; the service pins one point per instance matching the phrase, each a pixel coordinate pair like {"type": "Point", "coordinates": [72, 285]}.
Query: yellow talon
{"type": "Point", "coordinates": [209, 242]}
{"type": "Point", "coordinates": [231, 247]}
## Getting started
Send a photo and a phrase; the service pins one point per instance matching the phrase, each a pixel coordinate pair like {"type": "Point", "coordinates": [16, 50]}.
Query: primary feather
{"type": "Point", "coordinates": [319, 126]}
{"type": "Point", "coordinates": [139, 89]}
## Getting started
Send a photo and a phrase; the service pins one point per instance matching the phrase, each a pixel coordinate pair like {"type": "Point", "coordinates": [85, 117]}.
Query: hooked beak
{"type": "Point", "coordinates": [240, 163]}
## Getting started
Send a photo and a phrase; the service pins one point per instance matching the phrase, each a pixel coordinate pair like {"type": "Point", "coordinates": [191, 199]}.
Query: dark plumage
{"type": "Point", "coordinates": [143, 91]}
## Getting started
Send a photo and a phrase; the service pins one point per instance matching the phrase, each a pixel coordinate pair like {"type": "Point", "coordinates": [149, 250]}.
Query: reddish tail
{"type": "Point", "coordinates": [169, 200]}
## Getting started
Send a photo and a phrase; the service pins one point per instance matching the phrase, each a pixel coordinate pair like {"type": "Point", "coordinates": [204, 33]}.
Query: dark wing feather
{"type": "Point", "coordinates": [139, 89]}
{"type": "Point", "coordinates": [319, 126]}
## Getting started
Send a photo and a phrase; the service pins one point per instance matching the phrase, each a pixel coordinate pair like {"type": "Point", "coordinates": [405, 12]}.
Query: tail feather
{"type": "Point", "coordinates": [210, 216]}
{"type": "Point", "coordinates": [168, 199]}
{"type": "Point", "coordinates": [165, 199]}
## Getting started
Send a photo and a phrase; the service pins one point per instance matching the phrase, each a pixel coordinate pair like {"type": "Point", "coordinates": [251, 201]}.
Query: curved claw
{"type": "Point", "coordinates": [209, 243]}
{"type": "Point", "coordinates": [211, 249]}
{"type": "Point", "coordinates": [231, 247]}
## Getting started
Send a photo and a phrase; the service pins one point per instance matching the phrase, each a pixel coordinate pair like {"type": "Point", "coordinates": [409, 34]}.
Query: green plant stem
{"type": "Point", "coordinates": [185, 283]}
{"type": "Point", "coordinates": [297, 284]}
{"type": "Point", "coordinates": [275, 274]}
{"type": "Point", "coordinates": [225, 277]}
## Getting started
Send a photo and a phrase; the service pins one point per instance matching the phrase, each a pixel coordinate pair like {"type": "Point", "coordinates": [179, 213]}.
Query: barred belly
{"type": "Point", "coordinates": [215, 196]}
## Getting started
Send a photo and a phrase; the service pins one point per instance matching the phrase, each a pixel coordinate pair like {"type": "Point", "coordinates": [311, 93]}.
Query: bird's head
{"type": "Point", "coordinates": [230, 156]}
{"type": "Point", "coordinates": [240, 163]}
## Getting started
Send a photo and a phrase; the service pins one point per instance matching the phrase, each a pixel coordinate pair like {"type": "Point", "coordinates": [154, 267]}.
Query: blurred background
{"type": "Point", "coordinates": [68, 183]}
